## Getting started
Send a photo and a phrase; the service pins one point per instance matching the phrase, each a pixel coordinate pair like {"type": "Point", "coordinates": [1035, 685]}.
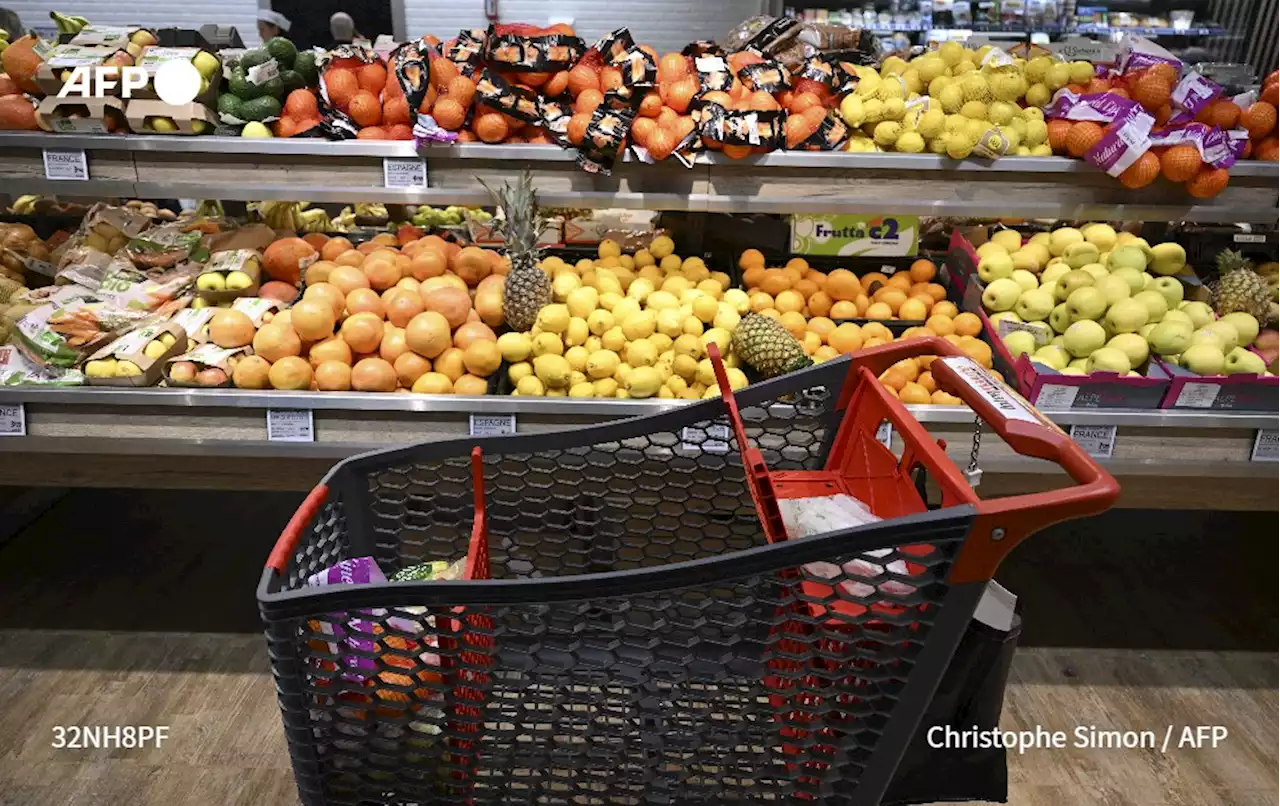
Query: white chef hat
{"type": "Point", "coordinates": [275, 18]}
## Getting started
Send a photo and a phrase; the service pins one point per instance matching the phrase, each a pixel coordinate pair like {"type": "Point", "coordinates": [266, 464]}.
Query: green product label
{"type": "Point", "coordinates": [849, 235]}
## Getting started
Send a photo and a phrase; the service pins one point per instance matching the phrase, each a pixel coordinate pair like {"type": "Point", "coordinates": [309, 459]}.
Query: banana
{"type": "Point", "coordinates": [25, 204]}
{"type": "Point", "coordinates": [67, 24]}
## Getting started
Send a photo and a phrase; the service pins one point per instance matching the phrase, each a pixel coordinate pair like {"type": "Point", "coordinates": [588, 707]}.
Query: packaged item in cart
{"type": "Point", "coordinates": [165, 247]}
{"type": "Point", "coordinates": [710, 67]}
{"type": "Point", "coordinates": [206, 366]}
{"type": "Point", "coordinates": [260, 310]}
{"type": "Point", "coordinates": [814, 516]}
{"type": "Point", "coordinates": [137, 357]}
{"type": "Point", "coordinates": [18, 370]}
{"type": "Point", "coordinates": [767, 75]}
{"type": "Point", "coordinates": [432, 571]}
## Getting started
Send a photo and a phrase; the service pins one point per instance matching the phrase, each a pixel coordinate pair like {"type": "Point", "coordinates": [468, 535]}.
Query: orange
{"type": "Point", "coordinates": [914, 393]}
{"type": "Point", "coordinates": [774, 282]}
{"type": "Point", "coordinates": [913, 309]}
{"type": "Point", "coordinates": [794, 274]}
{"type": "Point", "coordinates": [798, 263]}
{"type": "Point", "coordinates": [875, 330]}
{"type": "Point", "coordinates": [772, 313]}
{"type": "Point", "coordinates": [845, 338]}
{"type": "Point", "coordinates": [924, 299]}
{"type": "Point", "coordinates": [967, 324]}
{"type": "Point", "coordinates": [844, 310]}
{"type": "Point", "coordinates": [820, 304]}
{"type": "Point", "coordinates": [793, 321]}
{"type": "Point", "coordinates": [900, 280]}
{"type": "Point", "coordinates": [942, 325]}
{"type": "Point", "coordinates": [862, 301]}
{"type": "Point", "coordinates": [918, 332]}
{"type": "Point", "coordinates": [945, 308]}
{"type": "Point", "coordinates": [953, 338]}
{"type": "Point", "coordinates": [758, 300]}
{"type": "Point", "coordinates": [871, 278]}
{"type": "Point", "coordinates": [926, 380]}
{"type": "Point", "coordinates": [817, 278]}
{"type": "Point", "coordinates": [822, 326]}
{"type": "Point", "coordinates": [806, 288]}
{"type": "Point", "coordinates": [843, 284]}
{"type": "Point", "coordinates": [1208, 183]}
{"type": "Point", "coordinates": [908, 367]}
{"type": "Point", "coordinates": [1180, 163]}
{"type": "Point", "coordinates": [979, 351]}
{"type": "Point", "coordinates": [936, 291]}
{"type": "Point", "coordinates": [752, 276]}
{"type": "Point", "coordinates": [893, 297]}
{"type": "Point", "coordinates": [879, 310]}
{"type": "Point", "coordinates": [892, 392]}
{"type": "Point", "coordinates": [894, 378]}
{"type": "Point", "coordinates": [869, 343]}
{"type": "Point", "coordinates": [1083, 136]}
{"type": "Point", "coordinates": [922, 271]}
{"type": "Point", "coordinates": [789, 300]}
{"type": "Point", "coordinates": [942, 398]}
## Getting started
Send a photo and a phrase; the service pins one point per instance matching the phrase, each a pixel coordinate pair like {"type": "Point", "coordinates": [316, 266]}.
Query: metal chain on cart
{"type": "Point", "coordinates": [973, 472]}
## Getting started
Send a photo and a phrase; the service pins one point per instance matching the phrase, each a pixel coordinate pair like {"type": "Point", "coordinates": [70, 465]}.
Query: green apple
{"type": "Point", "coordinates": [255, 130]}
{"type": "Point", "coordinates": [1178, 316]}
{"type": "Point", "coordinates": [1073, 371]}
{"type": "Point", "coordinates": [207, 64]}
{"type": "Point", "coordinates": [1168, 258]}
{"type": "Point", "coordinates": [1020, 342]}
{"type": "Point", "coordinates": [1241, 361]}
{"type": "Point", "coordinates": [1083, 337]}
{"type": "Point", "coordinates": [1095, 270]}
{"type": "Point", "coordinates": [1041, 238]}
{"type": "Point", "coordinates": [1127, 316]}
{"type": "Point", "coordinates": [1145, 330]}
{"type": "Point", "coordinates": [1127, 257]}
{"type": "Point", "coordinates": [1245, 325]}
{"type": "Point", "coordinates": [1025, 279]}
{"type": "Point", "coordinates": [1230, 336]}
{"type": "Point", "coordinates": [1132, 345]}
{"type": "Point", "coordinates": [1001, 295]}
{"type": "Point", "coordinates": [1079, 255]}
{"type": "Point", "coordinates": [1131, 276]}
{"type": "Point", "coordinates": [1108, 359]}
{"type": "Point", "coordinates": [1026, 260]}
{"type": "Point", "coordinates": [211, 281]}
{"type": "Point", "coordinates": [1052, 273]}
{"type": "Point", "coordinates": [1034, 305]}
{"type": "Point", "coordinates": [1201, 314]}
{"type": "Point", "coordinates": [237, 280]}
{"type": "Point", "coordinates": [991, 248]}
{"type": "Point", "coordinates": [1086, 303]}
{"type": "Point", "coordinates": [1009, 239]}
{"type": "Point", "coordinates": [1059, 319]}
{"type": "Point", "coordinates": [1147, 279]}
{"type": "Point", "coordinates": [1059, 341]}
{"type": "Point", "coordinates": [1081, 364]}
{"type": "Point", "coordinates": [1100, 235]}
{"type": "Point", "coordinates": [1069, 282]}
{"type": "Point", "coordinates": [1170, 289]}
{"type": "Point", "coordinates": [1155, 303]}
{"type": "Point", "coordinates": [161, 124]}
{"type": "Point", "coordinates": [1169, 338]}
{"type": "Point", "coordinates": [1051, 355]}
{"type": "Point", "coordinates": [997, 318]}
{"type": "Point", "coordinates": [995, 266]}
{"type": "Point", "coordinates": [1060, 239]}
{"type": "Point", "coordinates": [1211, 337]}
{"type": "Point", "coordinates": [1204, 359]}
{"type": "Point", "coordinates": [1113, 288]}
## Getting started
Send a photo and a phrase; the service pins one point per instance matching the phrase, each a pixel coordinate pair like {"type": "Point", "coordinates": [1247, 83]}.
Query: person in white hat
{"type": "Point", "coordinates": [272, 24]}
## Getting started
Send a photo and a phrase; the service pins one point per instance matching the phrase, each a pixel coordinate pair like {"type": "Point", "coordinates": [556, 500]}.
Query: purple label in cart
{"type": "Point", "coordinates": [356, 571]}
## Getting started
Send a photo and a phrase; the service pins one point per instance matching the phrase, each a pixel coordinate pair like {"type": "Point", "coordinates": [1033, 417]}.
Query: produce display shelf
{"type": "Point", "coordinates": [780, 182]}
{"type": "Point", "coordinates": [212, 438]}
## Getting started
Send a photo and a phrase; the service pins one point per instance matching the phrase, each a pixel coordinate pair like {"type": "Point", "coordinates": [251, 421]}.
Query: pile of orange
{"type": "Point", "coordinates": [910, 381]}
{"type": "Point", "coordinates": [371, 95]}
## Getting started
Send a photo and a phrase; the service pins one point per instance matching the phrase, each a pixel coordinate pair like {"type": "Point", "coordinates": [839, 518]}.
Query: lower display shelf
{"type": "Point", "coordinates": [218, 439]}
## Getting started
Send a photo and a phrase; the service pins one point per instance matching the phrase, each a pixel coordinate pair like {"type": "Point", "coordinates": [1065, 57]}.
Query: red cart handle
{"type": "Point", "coordinates": [283, 549]}
{"type": "Point", "coordinates": [1005, 522]}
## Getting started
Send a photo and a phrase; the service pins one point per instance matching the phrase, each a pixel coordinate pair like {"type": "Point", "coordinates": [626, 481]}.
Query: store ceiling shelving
{"type": "Point", "coordinates": [779, 182]}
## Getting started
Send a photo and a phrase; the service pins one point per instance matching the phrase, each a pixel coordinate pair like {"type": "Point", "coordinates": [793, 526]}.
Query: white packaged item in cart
{"type": "Point", "coordinates": [814, 516]}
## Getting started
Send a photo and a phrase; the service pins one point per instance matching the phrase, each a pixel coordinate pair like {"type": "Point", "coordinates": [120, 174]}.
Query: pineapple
{"type": "Point", "coordinates": [527, 287]}
{"type": "Point", "coordinates": [1239, 288]}
{"type": "Point", "coordinates": [767, 346]}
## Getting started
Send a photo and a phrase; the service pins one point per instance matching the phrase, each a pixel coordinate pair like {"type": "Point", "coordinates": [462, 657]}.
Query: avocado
{"type": "Point", "coordinates": [240, 85]}
{"type": "Point", "coordinates": [260, 109]}
{"type": "Point", "coordinates": [292, 80]}
{"type": "Point", "coordinates": [283, 51]}
{"type": "Point", "coordinates": [273, 88]}
{"type": "Point", "coordinates": [231, 106]}
{"type": "Point", "coordinates": [253, 58]}
{"type": "Point", "coordinates": [305, 65]}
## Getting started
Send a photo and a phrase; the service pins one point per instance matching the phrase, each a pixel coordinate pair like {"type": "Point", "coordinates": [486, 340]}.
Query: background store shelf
{"type": "Point", "coordinates": [781, 182]}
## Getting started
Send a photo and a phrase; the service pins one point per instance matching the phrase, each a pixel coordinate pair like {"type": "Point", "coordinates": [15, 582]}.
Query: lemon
{"type": "Point", "coordinates": [872, 110]}
{"type": "Point", "coordinates": [720, 336]}
{"type": "Point", "coordinates": [851, 110]}
{"type": "Point", "coordinates": [626, 261]}
{"type": "Point", "coordinates": [711, 392]}
{"type": "Point", "coordinates": [738, 299]}
{"type": "Point", "coordinates": [622, 372]}
{"type": "Point", "coordinates": [665, 362]}
{"type": "Point", "coordinates": [938, 84]}
{"type": "Point", "coordinates": [938, 145]}
{"type": "Point", "coordinates": [625, 309]}
{"type": "Point", "coordinates": [661, 247]}
{"type": "Point", "coordinates": [602, 364]}
{"type": "Point", "coordinates": [552, 370]}
{"type": "Point", "coordinates": [1058, 76]}
{"type": "Point", "coordinates": [593, 343]}
{"type": "Point", "coordinates": [1001, 113]}
{"type": "Point", "coordinates": [963, 67]}
{"type": "Point", "coordinates": [563, 284]}
{"type": "Point", "coordinates": [582, 301]}
{"type": "Point", "coordinates": [737, 378]}
{"type": "Point", "coordinates": [723, 279]}
{"type": "Point", "coordinates": [609, 300]}
{"type": "Point", "coordinates": [1035, 70]}
{"type": "Point", "coordinates": [931, 122]}
{"type": "Point", "coordinates": [1081, 72]}
{"type": "Point", "coordinates": [547, 344]}
{"type": "Point", "coordinates": [600, 321]}
{"type": "Point", "coordinates": [557, 393]}
{"type": "Point", "coordinates": [607, 282]}
{"type": "Point", "coordinates": [577, 332]}
{"type": "Point", "coordinates": [909, 143]}
{"type": "Point", "coordinates": [690, 345]}
{"type": "Point", "coordinates": [577, 358]}
{"type": "Point", "coordinates": [644, 258]}
{"type": "Point", "coordinates": [951, 52]}
{"type": "Point", "coordinates": [554, 318]}
{"type": "Point", "coordinates": [676, 384]}
{"type": "Point", "coordinates": [676, 285]}
{"type": "Point", "coordinates": [662, 341]}
{"type": "Point", "coordinates": [665, 394]}
{"type": "Point", "coordinates": [930, 67]}
{"type": "Point", "coordinates": [1037, 133]}
{"type": "Point", "coordinates": [661, 300]}
{"type": "Point", "coordinates": [685, 366]}
{"type": "Point", "coordinates": [974, 110]}
{"type": "Point", "coordinates": [530, 386]}
{"type": "Point", "coordinates": [576, 377]}
{"type": "Point", "coordinates": [642, 353]}
{"type": "Point", "coordinates": [711, 287]}
{"type": "Point", "coordinates": [892, 87]}
{"type": "Point", "coordinates": [911, 80]}
{"type": "Point", "coordinates": [705, 307]}
{"type": "Point", "coordinates": [639, 289]}
{"type": "Point", "coordinates": [515, 346]}
{"type": "Point", "coordinates": [727, 317]}
{"type": "Point", "coordinates": [613, 339]}
{"type": "Point", "coordinates": [1033, 113]}
{"type": "Point", "coordinates": [640, 325]}
{"type": "Point", "coordinates": [692, 325]}
{"type": "Point", "coordinates": [643, 382]}
{"type": "Point", "coordinates": [693, 265]}
{"type": "Point", "coordinates": [582, 390]}
{"type": "Point", "coordinates": [894, 109]}
{"type": "Point", "coordinates": [951, 98]}
{"type": "Point", "coordinates": [522, 369]}
{"type": "Point", "coordinates": [1042, 150]}
{"type": "Point", "coordinates": [606, 387]}
{"type": "Point", "coordinates": [1007, 85]}
{"type": "Point", "coordinates": [1038, 95]}
{"type": "Point", "coordinates": [669, 322]}
{"type": "Point", "coordinates": [609, 248]}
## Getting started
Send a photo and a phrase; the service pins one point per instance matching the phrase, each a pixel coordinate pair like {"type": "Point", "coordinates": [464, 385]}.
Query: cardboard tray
{"type": "Point", "coordinates": [1219, 392]}
{"type": "Point", "coordinates": [151, 60]}
{"type": "Point", "coordinates": [47, 115]}
{"type": "Point", "coordinates": [151, 367]}
{"type": "Point", "coordinates": [49, 76]}
{"type": "Point", "coordinates": [198, 354]}
{"type": "Point", "coordinates": [226, 261]}
{"type": "Point", "coordinates": [184, 116]}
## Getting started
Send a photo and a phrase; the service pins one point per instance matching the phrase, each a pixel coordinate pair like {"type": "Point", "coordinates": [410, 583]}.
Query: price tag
{"type": "Point", "coordinates": [1266, 445]}
{"type": "Point", "coordinates": [492, 425]}
{"type": "Point", "coordinates": [13, 420]}
{"type": "Point", "coordinates": [290, 425]}
{"type": "Point", "coordinates": [1056, 396]}
{"type": "Point", "coordinates": [884, 434]}
{"type": "Point", "coordinates": [1041, 333]}
{"type": "Point", "coordinates": [988, 386]}
{"type": "Point", "coordinates": [1198, 395]}
{"type": "Point", "coordinates": [260, 74]}
{"type": "Point", "coordinates": [65, 164]}
{"type": "Point", "coordinates": [887, 270]}
{"type": "Point", "coordinates": [712, 439]}
{"type": "Point", "coordinates": [1099, 441]}
{"type": "Point", "coordinates": [404, 172]}
{"type": "Point", "coordinates": [1244, 237]}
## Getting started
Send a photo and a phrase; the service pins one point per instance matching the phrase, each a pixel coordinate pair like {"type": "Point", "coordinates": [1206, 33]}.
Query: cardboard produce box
{"type": "Point", "coordinates": [195, 321]}
{"type": "Point", "coordinates": [204, 357]}
{"type": "Point", "coordinates": [154, 57]}
{"type": "Point", "coordinates": [1188, 390]}
{"type": "Point", "coordinates": [82, 115]}
{"type": "Point", "coordinates": [192, 118]}
{"type": "Point", "coordinates": [599, 225]}
{"type": "Point", "coordinates": [118, 37]}
{"type": "Point", "coordinates": [223, 264]}
{"type": "Point", "coordinates": [483, 233]}
{"type": "Point", "coordinates": [62, 59]}
{"type": "Point", "coordinates": [132, 347]}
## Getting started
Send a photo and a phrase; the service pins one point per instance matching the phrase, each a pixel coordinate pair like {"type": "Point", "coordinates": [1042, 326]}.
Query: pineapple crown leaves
{"type": "Point", "coordinates": [522, 220]}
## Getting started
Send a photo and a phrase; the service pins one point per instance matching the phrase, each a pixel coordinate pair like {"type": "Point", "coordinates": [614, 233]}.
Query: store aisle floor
{"type": "Point", "coordinates": [121, 608]}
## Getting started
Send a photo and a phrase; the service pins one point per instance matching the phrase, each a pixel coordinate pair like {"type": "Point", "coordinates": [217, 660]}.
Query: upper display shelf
{"type": "Point", "coordinates": [316, 170]}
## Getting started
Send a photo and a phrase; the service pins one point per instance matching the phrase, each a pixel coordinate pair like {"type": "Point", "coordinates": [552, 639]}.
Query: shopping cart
{"type": "Point", "coordinates": [633, 625]}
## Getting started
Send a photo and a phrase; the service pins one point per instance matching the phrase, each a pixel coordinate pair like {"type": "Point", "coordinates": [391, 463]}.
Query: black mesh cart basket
{"type": "Point", "coordinates": [633, 625]}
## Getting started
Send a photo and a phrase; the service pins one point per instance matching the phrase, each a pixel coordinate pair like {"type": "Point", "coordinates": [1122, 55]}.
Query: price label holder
{"type": "Point", "coordinates": [1099, 441]}
{"type": "Point", "coordinates": [13, 420]}
{"type": "Point", "coordinates": [712, 439]}
{"type": "Point", "coordinates": [1197, 395]}
{"type": "Point", "coordinates": [290, 425]}
{"type": "Point", "coordinates": [66, 165]}
{"type": "Point", "coordinates": [1056, 396]}
{"type": "Point", "coordinates": [492, 425]}
{"type": "Point", "coordinates": [1266, 445]}
{"type": "Point", "coordinates": [884, 434]}
{"type": "Point", "coordinates": [404, 172]}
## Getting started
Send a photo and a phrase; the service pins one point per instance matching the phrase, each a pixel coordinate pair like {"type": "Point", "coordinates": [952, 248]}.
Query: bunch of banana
{"type": "Point", "coordinates": [210, 208]}
{"type": "Point", "coordinates": [345, 221]}
{"type": "Point", "coordinates": [4, 39]}
{"type": "Point", "coordinates": [24, 205]}
{"type": "Point", "coordinates": [285, 215]}
{"type": "Point", "coordinates": [316, 220]}
{"type": "Point", "coordinates": [66, 23]}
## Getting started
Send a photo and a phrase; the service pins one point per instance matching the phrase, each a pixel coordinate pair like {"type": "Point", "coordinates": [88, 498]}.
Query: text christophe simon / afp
{"type": "Point", "coordinates": [1082, 737]}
